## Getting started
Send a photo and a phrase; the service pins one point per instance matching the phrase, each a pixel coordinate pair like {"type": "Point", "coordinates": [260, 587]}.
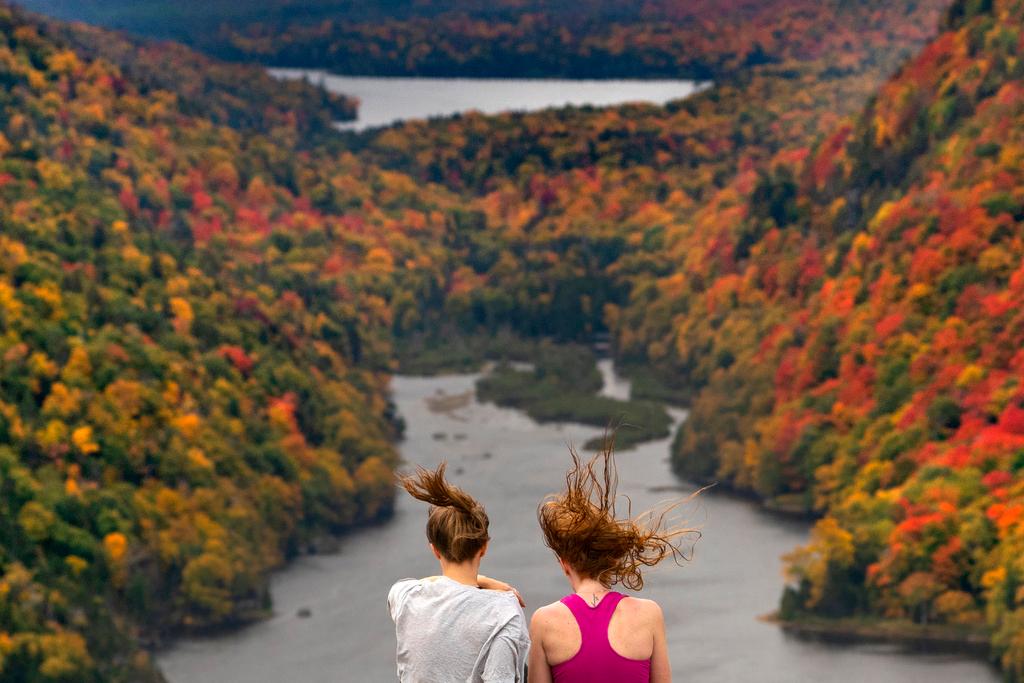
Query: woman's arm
{"type": "Point", "coordinates": [538, 669]}
{"type": "Point", "coordinates": [661, 671]}
{"type": "Point", "coordinates": [487, 583]}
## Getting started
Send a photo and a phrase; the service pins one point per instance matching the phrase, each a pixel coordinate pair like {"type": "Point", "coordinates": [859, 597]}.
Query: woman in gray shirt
{"type": "Point", "coordinates": [449, 630]}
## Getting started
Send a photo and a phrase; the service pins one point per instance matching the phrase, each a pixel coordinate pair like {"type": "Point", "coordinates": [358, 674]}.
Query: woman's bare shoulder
{"type": "Point", "coordinates": [547, 614]}
{"type": "Point", "coordinates": [643, 608]}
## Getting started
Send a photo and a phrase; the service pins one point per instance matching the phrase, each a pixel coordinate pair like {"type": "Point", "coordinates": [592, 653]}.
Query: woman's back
{"type": "Point", "coordinates": [612, 642]}
{"type": "Point", "coordinates": [613, 639]}
{"type": "Point", "coordinates": [448, 631]}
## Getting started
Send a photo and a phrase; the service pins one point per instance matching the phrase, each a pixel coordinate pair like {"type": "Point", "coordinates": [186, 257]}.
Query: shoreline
{"type": "Point", "coordinates": [163, 640]}
{"type": "Point", "coordinates": [922, 638]}
{"type": "Point", "coordinates": [769, 507]}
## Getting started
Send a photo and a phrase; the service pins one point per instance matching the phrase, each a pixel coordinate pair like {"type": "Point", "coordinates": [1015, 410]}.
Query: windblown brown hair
{"type": "Point", "coordinates": [581, 527]}
{"type": "Point", "coordinates": [456, 524]}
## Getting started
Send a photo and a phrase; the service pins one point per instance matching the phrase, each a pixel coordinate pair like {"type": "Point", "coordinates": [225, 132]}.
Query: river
{"type": "Point", "coordinates": [383, 101]}
{"type": "Point", "coordinates": [509, 463]}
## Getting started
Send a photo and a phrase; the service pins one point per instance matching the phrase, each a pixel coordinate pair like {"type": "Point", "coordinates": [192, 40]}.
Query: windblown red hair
{"type": "Point", "coordinates": [581, 527]}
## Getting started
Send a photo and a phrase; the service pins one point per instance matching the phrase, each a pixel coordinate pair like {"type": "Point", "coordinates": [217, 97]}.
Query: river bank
{"type": "Point", "coordinates": [565, 384]}
{"type": "Point", "coordinates": [947, 638]}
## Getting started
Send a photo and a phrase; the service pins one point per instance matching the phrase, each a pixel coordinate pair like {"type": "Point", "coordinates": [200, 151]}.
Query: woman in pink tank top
{"type": "Point", "coordinates": [595, 634]}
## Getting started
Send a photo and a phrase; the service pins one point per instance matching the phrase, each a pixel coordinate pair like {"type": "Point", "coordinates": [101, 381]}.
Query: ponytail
{"type": "Point", "coordinates": [456, 524]}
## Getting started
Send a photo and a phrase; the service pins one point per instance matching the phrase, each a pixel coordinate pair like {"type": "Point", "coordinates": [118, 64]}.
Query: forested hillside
{"type": "Point", "coordinates": [194, 352]}
{"type": "Point", "coordinates": [571, 214]}
{"type": "Point", "coordinates": [201, 285]}
{"type": "Point", "coordinates": [865, 362]}
{"type": "Point", "coordinates": [853, 330]}
{"type": "Point", "coordinates": [538, 38]}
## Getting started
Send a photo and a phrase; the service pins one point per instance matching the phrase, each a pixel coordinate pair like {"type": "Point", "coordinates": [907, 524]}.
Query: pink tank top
{"type": "Point", "coordinates": [596, 661]}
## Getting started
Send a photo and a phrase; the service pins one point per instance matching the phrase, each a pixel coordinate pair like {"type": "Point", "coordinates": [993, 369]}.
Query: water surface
{"type": "Point", "coordinates": [385, 100]}
{"type": "Point", "coordinates": [509, 462]}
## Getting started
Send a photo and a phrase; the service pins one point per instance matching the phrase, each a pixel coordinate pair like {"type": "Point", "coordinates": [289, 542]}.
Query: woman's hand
{"type": "Point", "coordinates": [487, 583]}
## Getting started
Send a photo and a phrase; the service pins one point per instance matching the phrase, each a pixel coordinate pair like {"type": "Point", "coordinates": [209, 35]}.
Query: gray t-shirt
{"type": "Point", "coordinates": [449, 632]}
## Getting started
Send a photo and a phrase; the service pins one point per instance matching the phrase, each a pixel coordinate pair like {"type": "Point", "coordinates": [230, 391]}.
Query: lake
{"type": "Point", "coordinates": [386, 100]}
{"type": "Point", "coordinates": [509, 463]}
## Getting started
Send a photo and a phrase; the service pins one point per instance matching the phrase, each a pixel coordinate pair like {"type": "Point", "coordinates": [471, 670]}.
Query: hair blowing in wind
{"type": "Point", "coordinates": [580, 525]}
{"type": "Point", "coordinates": [457, 525]}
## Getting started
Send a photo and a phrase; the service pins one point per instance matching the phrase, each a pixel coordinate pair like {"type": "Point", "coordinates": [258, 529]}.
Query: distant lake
{"type": "Point", "coordinates": [383, 101]}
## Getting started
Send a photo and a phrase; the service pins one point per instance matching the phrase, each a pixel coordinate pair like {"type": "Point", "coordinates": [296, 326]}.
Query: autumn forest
{"type": "Point", "coordinates": [205, 288]}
